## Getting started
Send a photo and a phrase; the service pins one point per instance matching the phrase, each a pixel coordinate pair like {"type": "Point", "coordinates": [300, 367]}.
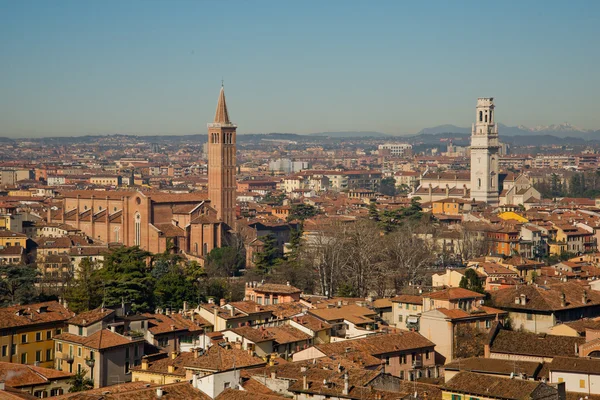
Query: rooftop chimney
{"type": "Point", "coordinates": [585, 296]}
{"type": "Point", "coordinates": [346, 384]}
{"type": "Point", "coordinates": [222, 302]}
{"type": "Point", "coordinates": [159, 392]}
{"type": "Point", "coordinates": [563, 300]}
{"type": "Point", "coordinates": [144, 363]}
{"type": "Point", "coordinates": [173, 355]}
{"type": "Point", "coordinates": [170, 368]}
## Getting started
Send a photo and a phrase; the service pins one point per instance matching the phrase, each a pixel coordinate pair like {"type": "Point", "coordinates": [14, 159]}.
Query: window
{"type": "Point", "coordinates": [427, 355]}
{"type": "Point", "coordinates": [38, 356]}
{"type": "Point", "coordinates": [56, 392]}
{"type": "Point", "coordinates": [78, 368]}
{"type": "Point", "coordinates": [275, 300]}
{"type": "Point", "coordinates": [399, 318]}
{"type": "Point", "coordinates": [38, 336]}
{"type": "Point", "coordinates": [529, 316]}
{"type": "Point", "coordinates": [399, 305]}
{"type": "Point", "coordinates": [126, 367]}
{"type": "Point", "coordinates": [259, 300]}
{"type": "Point", "coordinates": [13, 349]}
{"type": "Point", "coordinates": [91, 355]}
{"type": "Point", "coordinates": [403, 359]}
{"type": "Point", "coordinates": [71, 350]}
{"type": "Point", "coordinates": [79, 351]}
{"type": "Point", "coordinates": [387, 360]}
{"type": "Point", "coordinates": [488, 324]}
{"type": "Point", "coordinates": [59, 347]}
{"type": "Point", "coordinates": [582, 383]}
{"type": "Point", "coordinates": [58, 331]}
{"type": "Point", "coordinates": [42, 394]}
{"type": "Point", "coordinates": [48, 354]}
{"type": "Point", "coordinates": [473, 398]}
{"type": "Point", "coordinates": [4, 350]}
{"type": "Point", "coordinates": [23, 338]}
{"type": "Point", "coordinates": [456, 397]}
{"type": "Point", "coordinates": [414, 307]}
{"type": "Point", "coordinates": [407, 306]}
{"type": "Point", "coordinates": [267, 301]}
{"type": "Point", "coordinates": [138, 229]}
{"type": "Point", "coordinates": [48, 335]}
{"type": "Point", "coordinates": [81, 331]}
{"type": "Point", "coordinates": [226, 385]}
{"type": "Point", "coordinates": [24, 358]}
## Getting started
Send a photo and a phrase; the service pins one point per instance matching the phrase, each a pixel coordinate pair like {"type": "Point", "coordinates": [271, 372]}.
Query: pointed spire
{"type": "Point", "coordinates": [222, 116]}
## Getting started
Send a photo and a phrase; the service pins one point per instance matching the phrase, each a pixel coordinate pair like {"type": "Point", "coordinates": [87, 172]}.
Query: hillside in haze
{"type": "Point", "coordinates": [564, 130]}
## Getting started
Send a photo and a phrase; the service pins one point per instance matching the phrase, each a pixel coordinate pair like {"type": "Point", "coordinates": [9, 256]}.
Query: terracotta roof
{"type": "Point", "coordinates": [491, 386]}
{"type": "Point", "coordinates": [454, 294]}
{"type": "Point", "coordinates": [344, 312]}
{"type": "Point", "coordinates": [33, 314]}
{"type": "Point", "coordinates": [576, 365]}
{"type": "Point", "coordinates": [532, 344]}
{"type": "Point", "coordinates": [20, 375]}
{"type": "Point", "coordinates": [581, 325]}
{"type": "Point", "coordinates": [231, 394]}
{"type": "Point", "coordinates": [139, 391]}
{"type": "Point", "coordinates": [377, 344]}
{"type": "Point", "coordinates": [312, 323]}
{"type": "Point", "coordinates": [494, 366]}
{"type": "Point", "coordinates": [160, 323]}
{"type": "Point", "coordinates": [407, 298]}
{"type": "Point", "coordinates": [100, 340]}
{"type": "Point", "coordinates": [276, 288]}
{"type": "Point", "coordinates": [546, 298]}
{"type": "Point", "coordinates": [88, 318]}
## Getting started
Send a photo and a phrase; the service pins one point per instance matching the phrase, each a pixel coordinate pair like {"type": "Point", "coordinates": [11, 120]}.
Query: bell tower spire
{"type": "Point", "coordinates": [222, 163]}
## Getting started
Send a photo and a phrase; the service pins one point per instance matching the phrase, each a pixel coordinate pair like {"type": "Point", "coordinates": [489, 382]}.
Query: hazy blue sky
{"type": "Point", "coordinates": [79, 67]}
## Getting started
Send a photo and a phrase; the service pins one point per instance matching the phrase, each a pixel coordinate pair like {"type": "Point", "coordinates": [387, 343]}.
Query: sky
{"type": "Point", "coordinates": [155, 67]}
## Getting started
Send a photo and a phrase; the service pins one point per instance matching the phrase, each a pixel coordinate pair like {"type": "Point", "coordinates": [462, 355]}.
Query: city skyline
{"type": "Point", "coordinates": [135, 68]}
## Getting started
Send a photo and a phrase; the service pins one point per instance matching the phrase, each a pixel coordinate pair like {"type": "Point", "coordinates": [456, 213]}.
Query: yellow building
{"type": "Point", "coordinates": [26, 332]}
{"type": "Point", "coordinates": [10, 238]}
{"type": "Point", "coordinates": [19, 193]}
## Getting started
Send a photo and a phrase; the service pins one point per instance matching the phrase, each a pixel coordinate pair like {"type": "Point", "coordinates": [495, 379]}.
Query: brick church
{"type": "Point", "coordinates": [190, 223]}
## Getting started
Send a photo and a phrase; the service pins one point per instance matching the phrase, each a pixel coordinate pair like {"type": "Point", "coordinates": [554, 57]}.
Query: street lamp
{"type": "Point", "coordinates": [90, 362]}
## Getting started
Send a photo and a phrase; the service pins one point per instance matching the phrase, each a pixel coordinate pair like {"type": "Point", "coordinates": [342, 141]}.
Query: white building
{"type": "Point", "coordinates": [396, 149]}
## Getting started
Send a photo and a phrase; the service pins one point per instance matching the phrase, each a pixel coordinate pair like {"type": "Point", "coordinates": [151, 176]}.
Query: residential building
{"type": "Point", "coordinates": [27, 332]}
{"type": "Point", "coordinates": [33, 380]}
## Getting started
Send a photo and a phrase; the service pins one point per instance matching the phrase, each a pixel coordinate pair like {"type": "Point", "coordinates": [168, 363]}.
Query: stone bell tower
{"type": "Point", "coordinates": [484, 153]}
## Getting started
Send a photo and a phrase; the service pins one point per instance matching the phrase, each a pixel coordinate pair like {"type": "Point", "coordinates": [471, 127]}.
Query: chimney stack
{"type": "Point", "coordinates": [144, 363]}
{"type": "Point", "coordinates": [159, 392]}
{"type": "Point", "coordinates": [585, 296]}
{"type": "Point", "coordinates": [222, 302]}
{"type": "Point", "coordinates": [346, 384]}
{"type": "Point", "coordinates": [563, 300]}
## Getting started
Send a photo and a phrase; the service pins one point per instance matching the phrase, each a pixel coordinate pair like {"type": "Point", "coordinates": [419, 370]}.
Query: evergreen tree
{"type": "Point", "coordinates": [85, 291]}
{"type": "Point", "coordinates": [17, 283]}
{"type": "Point", "coordinates": [126, 277]}
{"type": "Point", "coordinates": [79, 382]}
{"type": "Point", "coordinates": [302, 211]}
{"type": "Point", "coordinates": [387, 186]}
{"type": "Point", "coordinates": [267, 258]}
{"type": "Point", "coordinates": [173, 288]}
{"type": "Point", "coordinates": [471, 281]}
{"type": "Point", "coordinates": [373, 212]}
{"type": "Point", "coordinates": [224, 261]}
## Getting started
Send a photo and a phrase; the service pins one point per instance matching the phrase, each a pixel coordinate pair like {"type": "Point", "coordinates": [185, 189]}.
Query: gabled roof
{"type": "Point", "coordinates": [453, 294]}
{"type": "Point", "coordinates": [532, 344]}
{"type": "Point", "coordinates": [100, 340]}
{"type": "Point", "coordinates": [546, 298]}
{"type": "Point", "coordinates": [88, 318]}
{"type": "Point", "coordinates": [492, 387]}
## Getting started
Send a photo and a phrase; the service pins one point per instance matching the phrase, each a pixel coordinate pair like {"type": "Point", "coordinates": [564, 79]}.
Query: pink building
{"type": "Point", "coordinates": [271, 293]}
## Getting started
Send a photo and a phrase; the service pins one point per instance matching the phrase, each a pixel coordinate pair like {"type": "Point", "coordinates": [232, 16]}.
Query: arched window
{"type": "Point", "coordinates": [204, 249]}
{"type": "Point", "coordinates": [478, 182]}
{"type": "Point", "coordinates": [491, 113]}
{"type": "Point", "coordinates": [196, 247]}
{"type": "Point", "coordinates": [486, 119]}
{"type": "Point", "coordinates": [138, 229]}
{"type": "Point", "coordinates": [480, 116]}
{"type": "Point", "coordinates": [117, 234]}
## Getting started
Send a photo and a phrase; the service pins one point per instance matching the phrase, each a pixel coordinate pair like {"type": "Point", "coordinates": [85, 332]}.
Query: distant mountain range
{"type": "Point", "coordinates": [350, 134]}
{"type": "Point", "coordinates": [561, 130]}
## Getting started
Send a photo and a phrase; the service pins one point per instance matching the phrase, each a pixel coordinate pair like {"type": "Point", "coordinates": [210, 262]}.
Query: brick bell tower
{"type": "Point", "coordinates": [221, 163]}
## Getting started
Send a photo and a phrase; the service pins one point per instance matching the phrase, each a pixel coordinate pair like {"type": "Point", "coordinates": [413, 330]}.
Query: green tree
{"type": "Point", "coordinates": [79, 382]}
{"type": "Point", "coordinates": [85, 291]}
{"type": "Point", "coordinates": [346, 290]}
{"type": "Point", "coordinates": [173, 288]}
{"type": "Point", "coordinates": [387, 186]}
{"type": "Point", "coordinates": [302, 211]}
{"type": "Point", "coordinates": [224, 261]}
{"type": "Point", "coordinates": [373, 212]}
{"type": "Point", "coordinates": [17, 283]}
{"type": "Point", "coordinates": [266, 259]}
{"type": "Point", "coordinates": [471, 281]}
{"type": "Point", "coordinates": [126, 277]}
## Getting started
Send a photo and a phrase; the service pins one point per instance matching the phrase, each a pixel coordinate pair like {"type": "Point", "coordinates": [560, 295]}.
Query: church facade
{"type": "Point", "coordinates": [191, 223]}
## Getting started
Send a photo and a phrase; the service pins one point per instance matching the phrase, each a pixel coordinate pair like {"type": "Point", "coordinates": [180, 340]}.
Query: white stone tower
{"type": "Point", "coordinates": [484, 154]}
